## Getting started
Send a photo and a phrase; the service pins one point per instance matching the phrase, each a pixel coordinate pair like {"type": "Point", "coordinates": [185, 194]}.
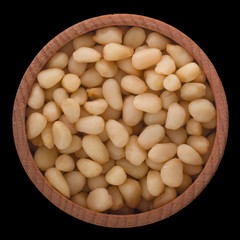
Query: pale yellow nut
{"type": "Point", "coordinates": [192, 91]}
{"type": "Point", "coordinates": [166, 65]}
{"type": "Point", "coordinates": [51, 111]}
{"type": "Point", "coordinates": [116, 51]}
{"type": "Point", "coordinates": [188, 72]}
{"type": "Point", "coordinates": [77, 68]}
{"type": "Point", "coordinates": [154, 80]}
{"type": "Point", "coordinates": [135, 154]}
{"type": "Point", "coordinates": [86, 55]}
{"type": "Point", "coordinates": [172, 83]}
{"type": "Point", "coordinates": [45, 158]}
{"type": "Point", "coordinates": [162, 152]}
{"type": "Point", "coordinates": [71, 82]}
{"type": "Point", "coordinates": [91, 78]}
{"type": "Point", "coordinates": [96, 107]}
{"type": "Point", "coordinates": [80, 95]}
{"type": "Point", "coordinates": [65, 163]}
{"type": "Point", "coordinates": [145, 58]}
{"type": "Point", "coordinates": [193, 127]}
{"type": "Point", "coordinates": [116, 176]}
{"type": "Point", "coordinates": [58, 60]}
{"type": "Point", "coordinates": [155, 184]}
{"type": "Point", "coordinates": [47, 136]}
{"type": "Point", "coordinates": [126, 66]}
{"type": "Point", "coordinates": [189, 155]}
{"type": "Point", "coordinates": [117, 133]}
{"type": "Point", "coordinates": [36, 97]}
{"type": "Point", "coordinates": [35, 124]}
{"type": "Point", "coordinates": [112, 94]}
{"type": "Point", "coordinates": [202, 110]}
{"type": "Point", "coordinates": [172, 173]}
{"type": "Point", "coordinates": [71, 109]}
{"type": "Point", "coordinates": [108, 35]}
{"type": "Point", "coordinates": [145, 191]}
{"type": "Point", "coordinates": [130, 114]}
{"type": "Point", "coordinates": [175, 116]}
{"type": "Point", "coordinates": [75, 181]}
{"type": "Point", "coordinates": [80, 199]}
{"type": "Point", "coordinates": [179, 54]}
{"type": "Point", "coordinates": [89, 168]}
{"type": "Point", "coordinates": [106, 68]}
{"type": "Point", "coordinates": [99, 200]}
{"type": "Point", "coordinates": [133, 84]}
{"type": "Point", "coordinates": [157, 40]}
{"type": "Point", "coordinates": [168, 194]}
{"type": "Point", "coordinates": [95, 148]}
{"type": "Point", "coordinates": [90, 124]}
{"type": "Point", "coordinates": [134, 37]}
{"type": "Point", "coordinates": [85, 40]}
{"type": "Point", "coordinates": [116, 198]}
{"type": "Point", "coordinates": [155, 118]}
{"type": "Point", "coordinates": [57, 180]}
{"type": "Point", "coordinates": [49, 77]}
{"type": "Point", "coordinates": [148, 102]}
{"type": "Point", "coordinates": [131, 192]}
{"type": "Point", "coordinates": [151, 135]}
{"type": "Point", "coordinates": [133, 170]}
{"type": "Point", "coordinates": [178, 136]}
{"type": "Point", "coordinates": [62, 136]}
{"type": "Point", "coordinates": [59, 95]}
{"type": "Point", "coordinates": [199, 143]}
{"type": "Point", "coordinates": [97, 182]}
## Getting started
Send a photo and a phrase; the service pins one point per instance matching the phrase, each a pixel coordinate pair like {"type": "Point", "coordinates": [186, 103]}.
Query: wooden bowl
{"type": "Point", "coordinates": [70, 207]}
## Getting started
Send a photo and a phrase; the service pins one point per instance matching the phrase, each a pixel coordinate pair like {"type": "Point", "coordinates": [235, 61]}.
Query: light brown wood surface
{"type": "Point", "coordinates": [68, 206]}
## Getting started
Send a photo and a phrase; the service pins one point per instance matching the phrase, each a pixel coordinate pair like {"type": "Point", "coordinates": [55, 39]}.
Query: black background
{"type": "Point", "coordinates": [27, 28]}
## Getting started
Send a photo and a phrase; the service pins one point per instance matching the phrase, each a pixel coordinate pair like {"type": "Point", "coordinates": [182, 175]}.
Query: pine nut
{"type": "Point", "coordinates": [148, 102]}
{"type": "Point", "coordinates": [35, 124]}
{"type": "Point", "coordinates": [172, 173]}
{"type": "Point", "coordinates": [131, 192]}
{"type": "Point", "coordinates": [117, 133]}
{"type": "Point", "coordinates": [49, 77]}
{"type": "Point", "coordinates": [189, 155]}
{"type": "Point", "coordinates": [146, 58]}
{"type": "Point", "coordinates": [95, 149]}
{"type": "Point", "coordinates": [62, 136]}
{"type": "Point", "coordinates": [112, 94]}
{"type": "Point", "coordinates": [56, 179]}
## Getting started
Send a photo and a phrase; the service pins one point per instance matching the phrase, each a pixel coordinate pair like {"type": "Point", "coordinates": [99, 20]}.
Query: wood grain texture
{"type": "Point", "coordinates": [68, 206]}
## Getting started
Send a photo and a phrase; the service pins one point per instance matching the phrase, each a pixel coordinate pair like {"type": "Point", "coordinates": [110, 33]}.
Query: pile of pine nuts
{"type": "Point", "coordinates": [121, 120]}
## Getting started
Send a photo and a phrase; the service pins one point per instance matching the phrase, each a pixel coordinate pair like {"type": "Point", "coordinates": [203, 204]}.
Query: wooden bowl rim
{"type": "Point", "coordinates": [110, 220]}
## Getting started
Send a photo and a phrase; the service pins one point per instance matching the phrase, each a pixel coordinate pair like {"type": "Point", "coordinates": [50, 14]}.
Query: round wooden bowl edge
{"type": "Point", "coordinates": [102, 219]}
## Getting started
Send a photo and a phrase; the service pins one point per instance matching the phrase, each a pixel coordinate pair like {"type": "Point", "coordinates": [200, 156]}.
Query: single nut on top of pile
{"type": "Point", "coordinates": [122, 119]}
